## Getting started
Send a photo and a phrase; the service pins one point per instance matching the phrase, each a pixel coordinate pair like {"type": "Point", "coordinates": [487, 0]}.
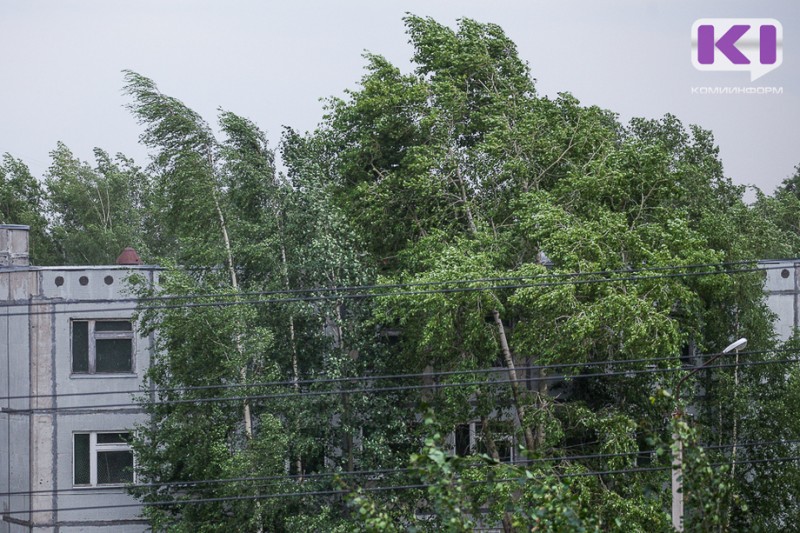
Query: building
{"type": "Point", "coordinates": [68, 346]}
{"type": "Point", "coordinates": [59, 456]}
{"type": "Point", "coordinates": [782, 288]}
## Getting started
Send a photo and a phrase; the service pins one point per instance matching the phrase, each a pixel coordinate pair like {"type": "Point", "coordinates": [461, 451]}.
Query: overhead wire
{"type": "Point", "coordinates": [406, 293]}
{"type": "Point", "coordinates": [374, 472]}
{"type": "Point", "coordinates": [351, 288]}
{"type": "Point", "coordinates": [431, 387]}
{"type": "Point", "coordinates": [340, 492]}
{"type": "Point", "coordinates": [380, 377]}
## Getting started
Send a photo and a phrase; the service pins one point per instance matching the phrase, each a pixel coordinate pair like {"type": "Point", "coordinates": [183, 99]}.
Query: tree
{"type": "Point", "coordinates": [199, 216]}
{"type": "Point", "coordinates": [22, 201]}
{"type": "Point", "coordinates": [462, 304]}
{"type": "Point", "coordinates": [97, 211]}
{"type": "Point", "coordinates": [460, 171]}
{"type": "Point", "coordinates": [544, 273]}
{"type": "Point", "coordinates": [783, 210]}
{"type": "Point", "coordinates": [242, 228]}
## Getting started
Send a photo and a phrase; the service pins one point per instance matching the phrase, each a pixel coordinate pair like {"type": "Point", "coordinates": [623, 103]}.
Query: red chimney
{"type": "Point", "coordinates": [129, 257]}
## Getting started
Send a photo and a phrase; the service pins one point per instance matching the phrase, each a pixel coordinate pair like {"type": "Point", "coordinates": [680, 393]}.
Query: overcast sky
{"type": "Point", "coordinates": [272, 61]}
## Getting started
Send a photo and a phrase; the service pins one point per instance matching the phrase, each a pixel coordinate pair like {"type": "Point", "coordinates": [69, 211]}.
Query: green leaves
{"type": "Point", "coordinates": [98, 211]}
{"type": "Point", "coordinates": [187, 184]}
{"type": "Point", "coordinates": [589, 237]}
{"type": "Point", "coordinates": [23, 201]}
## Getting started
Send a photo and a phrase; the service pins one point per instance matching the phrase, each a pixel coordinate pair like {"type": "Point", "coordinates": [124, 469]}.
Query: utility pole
{"type": "Point", "coordinates": [677, 477]}
{"type": "Point", "coordinates": [677, 442]}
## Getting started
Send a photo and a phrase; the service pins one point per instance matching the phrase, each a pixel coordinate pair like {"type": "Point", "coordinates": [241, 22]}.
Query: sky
{"type": "Point", "coordinates": [275, 61]}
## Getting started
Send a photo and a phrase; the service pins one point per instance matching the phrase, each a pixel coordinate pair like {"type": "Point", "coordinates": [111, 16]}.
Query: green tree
{"type": "Point", "coordinates": [782, 208]}
{"type": "Point", "coordinates": [460, 171]}
{"type": "Point", "coordinates": [239, 226]}
{"type": "Point", "coordinates": [22, 201]}
{"type": "Point", "coordinates": [600, 242]}
{"type": "Point", "coordinates": [97, 211]}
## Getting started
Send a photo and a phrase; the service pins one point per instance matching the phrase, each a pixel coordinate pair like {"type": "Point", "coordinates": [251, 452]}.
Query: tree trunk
{"type": "Point", "coordinates": [292, 340]}
{"type": "Point", "coordinates": [541, 403]}
{"type": "Point", "coordinates": [530, 442]}
{"type": "Point", "coordinates": [348, 437]}
{"type": "Point", "coordinates": [248, 421]}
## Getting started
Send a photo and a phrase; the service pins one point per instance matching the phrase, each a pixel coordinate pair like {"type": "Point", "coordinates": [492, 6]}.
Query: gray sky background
{"type": "Point", "coordinates": [61, 63]}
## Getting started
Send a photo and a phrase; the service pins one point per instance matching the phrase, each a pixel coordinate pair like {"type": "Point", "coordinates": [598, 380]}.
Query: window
{"type": "Point", "coordinates": [468, 439]}
{"type": "Point", "coordinates": [102, 459]}
{"type": "Point", "coordinates": [102, 346]}
{"type": "Point", "coordinates": [464, 439]}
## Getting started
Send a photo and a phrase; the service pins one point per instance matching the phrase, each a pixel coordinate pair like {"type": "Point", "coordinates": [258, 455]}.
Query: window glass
{"type": "Point", "coordinates": [102, 459]}
{"type": "Point", "coordinates": [462, 435]}
{"type": "Point", "coordinates": [113, 355]}
{"type": "Point", "coordinates": [115, 325]}
{"type": "Point", "coordinates": [504, 450]}
{"type": "Point", "coordinates": [102, 346]}
{"type": "Point", "coordinates": [501, 432]}
{"type": "Point", "coordinates": [80, 346]}
{"type": "Point", "coordinates": [113, 438]}
{"type": "Point", "coordinates": [81, 463]}
{"type": "Point", "coordinates": [114, 467]}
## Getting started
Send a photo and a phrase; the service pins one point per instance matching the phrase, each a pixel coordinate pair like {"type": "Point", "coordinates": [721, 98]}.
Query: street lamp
{"type": "Point", "coordinates": [677, 452]}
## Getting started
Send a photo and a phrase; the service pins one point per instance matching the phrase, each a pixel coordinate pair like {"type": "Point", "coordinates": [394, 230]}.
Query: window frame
{"type": "Point", "coordinates": [92, 337]}
{"type": "Point", "coordinates": [472, 436]}
{"type": "Point", "coordinates": [94, 449]}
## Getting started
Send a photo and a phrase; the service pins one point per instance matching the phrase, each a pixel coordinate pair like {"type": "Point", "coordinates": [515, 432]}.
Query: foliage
{"type": "Point", "coordinates": [783, 209]}
{"type": "Point", "coordinates": [515, 248]}
{"type": "Point", "coordinates": [459, 171]}
{"type": "Point", "coordinates": [97, 212]}
{"type": "Point", "coordinates": [22, 201]}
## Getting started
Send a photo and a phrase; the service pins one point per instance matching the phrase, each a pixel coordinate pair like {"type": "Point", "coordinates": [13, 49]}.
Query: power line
{"type": "Point", "coordinates": [294, 477]}
{"type": "Point", "coordinates": [221, 499]}
{"type": "Point", "coordinates": [432, 387]}
{"type": "Point", "coordinates": [379, 377]}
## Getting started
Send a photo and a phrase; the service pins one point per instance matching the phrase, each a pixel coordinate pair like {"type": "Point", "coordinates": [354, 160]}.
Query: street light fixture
{"type": "Point", "coordinates": [677, 451]}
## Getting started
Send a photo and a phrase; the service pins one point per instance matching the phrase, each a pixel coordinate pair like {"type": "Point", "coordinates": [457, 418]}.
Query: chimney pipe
{"type": "Point", "coordinates": [14, 245]}
{"type": "Point", "coordinates": [129, 257]}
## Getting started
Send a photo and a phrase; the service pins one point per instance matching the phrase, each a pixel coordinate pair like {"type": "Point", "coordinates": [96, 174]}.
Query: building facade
{"type": "Point", "coordinates": [67, 347]}
{"type": "Point", "coordinates": [782, 288]}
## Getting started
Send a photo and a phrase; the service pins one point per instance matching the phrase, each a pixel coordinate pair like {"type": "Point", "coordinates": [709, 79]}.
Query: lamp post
{"type": "Point", "coordinates": [677, 448]}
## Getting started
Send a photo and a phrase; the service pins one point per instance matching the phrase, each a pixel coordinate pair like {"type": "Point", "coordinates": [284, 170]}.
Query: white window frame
{"type": "Point", "coordinates": [94, 448]}
{"type": "Point", "coordinates": [92, 337]}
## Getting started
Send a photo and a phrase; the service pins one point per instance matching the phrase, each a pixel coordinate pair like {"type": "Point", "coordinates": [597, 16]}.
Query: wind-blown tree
{"type": "Point", "coordinates": [363, 431]}
{"type": "Point", "coordinates": [97, 211]}
{"type": "Point", "coordinates": [460, 171]}
{"type": "Point", "coordinates": [600, 242]}
{"type": "Point", "coordinates": [22, 201]}
{"type": "Point", "coordinates": [240, 227]}
{"type": "Point", "coordinates": [187, 182]}
{"type": "Point", "coordinates": [783, 210]}
{"type": "Point", "coordinates": [197, 218]}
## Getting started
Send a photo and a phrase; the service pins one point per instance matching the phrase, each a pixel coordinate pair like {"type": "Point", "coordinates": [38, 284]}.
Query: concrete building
{"type": "Point", "coordinates": [783, 294]}
{"type": "Point", "coordinates": [58, 359]}
{"type": "Point", "coordinates": [68, 346]}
